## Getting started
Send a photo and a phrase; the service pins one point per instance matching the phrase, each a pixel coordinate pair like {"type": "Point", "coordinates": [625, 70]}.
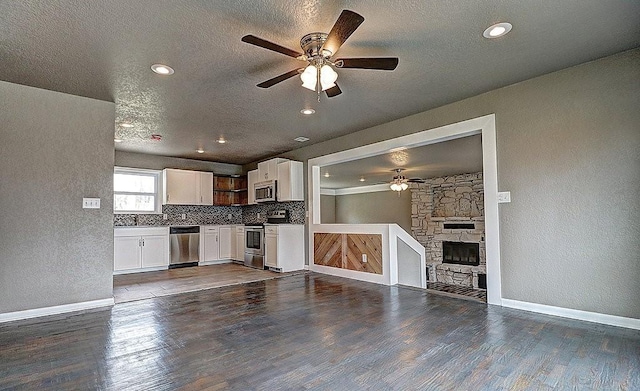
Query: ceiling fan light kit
{"type": "Point", "coordinates": [399, 182]}
{"type": "Point", "coordinates": [318, 48]}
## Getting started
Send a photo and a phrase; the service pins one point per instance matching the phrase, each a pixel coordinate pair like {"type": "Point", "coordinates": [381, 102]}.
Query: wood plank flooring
{"type": "Point", "coordinates": [315, 332]}
{"type": "Point", "coordinates": [137, 286]}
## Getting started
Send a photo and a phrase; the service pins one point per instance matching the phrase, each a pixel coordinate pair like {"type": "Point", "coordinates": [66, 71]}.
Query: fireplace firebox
{"type": "Point", "coordinates": [461, 253]}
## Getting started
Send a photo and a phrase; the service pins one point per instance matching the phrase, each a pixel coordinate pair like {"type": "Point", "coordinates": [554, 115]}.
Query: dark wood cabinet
{"type": "Point", "coordinates": [229, 190]}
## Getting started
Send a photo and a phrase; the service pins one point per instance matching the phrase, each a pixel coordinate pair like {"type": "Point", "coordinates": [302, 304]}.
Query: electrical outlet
{"type": "Point", "coordinates": [258, 215]}
{"type": "Point", "coordinates": [229, 216]}
{"type": "Point", "coordinates": [364, 258]}
{"type": "Point", "coordinates": [91, 203]}
{"type": "Point", "coordinates": [183, 216]}
{"type": "Point", "coordinates": [164, 216]}
{"type": "Point", "coordinates": [504, 197]}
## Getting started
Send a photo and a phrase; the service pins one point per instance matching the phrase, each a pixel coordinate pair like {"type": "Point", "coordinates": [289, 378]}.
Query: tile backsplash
{"type": "Point", "coordinates": [211, 215]}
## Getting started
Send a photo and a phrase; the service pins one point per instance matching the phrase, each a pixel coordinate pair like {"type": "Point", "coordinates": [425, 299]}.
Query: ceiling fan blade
{"type": "Point", "coordinates": [278, 79]}
{"type": "Point", "coordinates": [347, 23]}
{"type": "Point", "coordinates": [333, 91]}
{"type": "Point", "coordinates": [380, 63]}
{"type": "Point", "coordinates": [252, 39]}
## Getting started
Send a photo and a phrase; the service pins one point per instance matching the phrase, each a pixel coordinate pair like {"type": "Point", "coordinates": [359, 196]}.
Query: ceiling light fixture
{"type": "Point", "coordinates": [200, 150]}
{"type": "Point", "coordinates": [221, 140]}
{"type": "Point", "coordinates": [326, 175]}
{"type": "Point", "coordinates": [362, 179]}
{"type": "Point", "coordinates": [117, 140]}
{"type": "Point", "coordinates": [497, 30]}
{"type": "Point", "coordinates": [162, 69]}
{"type": "Point", "coordinates": [318, 76]}
{"type": "Point", "coordinates": [399, 182]}
{"type": "Point", "coordinates": [301, 139]}
{"type": "Point", "coordinates": [126, 125]}
{"type": "Point", "coordinates": [307, 111]}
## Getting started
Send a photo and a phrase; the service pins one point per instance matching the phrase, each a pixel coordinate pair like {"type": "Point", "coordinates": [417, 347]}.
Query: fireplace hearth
{"type": "Point", "coordinates": [461, 253]}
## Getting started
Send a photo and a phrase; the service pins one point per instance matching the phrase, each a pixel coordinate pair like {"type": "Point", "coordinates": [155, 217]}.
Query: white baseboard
{"type": "Point", "coordinates": [140, 270]}
{"type": "Point", "coordinates": [587, 316]}
{"type": "Point", "coordinates": [306, 267]}
{"type": "Point", "coordinates": [55, 310]}
{"type": "Point", "coordinates": [218, 262]}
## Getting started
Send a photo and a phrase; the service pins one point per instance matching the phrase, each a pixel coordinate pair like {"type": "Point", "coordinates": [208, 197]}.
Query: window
{"type": "Point", "coordinates": [135, 190]}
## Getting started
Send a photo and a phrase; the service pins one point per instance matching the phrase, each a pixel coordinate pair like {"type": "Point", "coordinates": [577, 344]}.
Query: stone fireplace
{"type": "Point", "coordinates": [451, 209]}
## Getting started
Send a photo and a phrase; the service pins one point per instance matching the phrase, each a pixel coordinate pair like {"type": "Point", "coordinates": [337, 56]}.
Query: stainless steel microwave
{"type": "Point", "coordinates": [266, 191]}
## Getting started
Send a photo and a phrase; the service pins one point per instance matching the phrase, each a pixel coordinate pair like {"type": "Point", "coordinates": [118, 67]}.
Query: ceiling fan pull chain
{"type": "Point", "coordinates": [319, 87]}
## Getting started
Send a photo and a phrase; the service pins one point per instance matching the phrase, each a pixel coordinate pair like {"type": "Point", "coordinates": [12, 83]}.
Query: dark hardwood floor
{"type": "Point", "coordinates": [312, 331]}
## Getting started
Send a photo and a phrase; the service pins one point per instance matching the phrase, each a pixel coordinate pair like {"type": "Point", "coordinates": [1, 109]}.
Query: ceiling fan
{"type": "Point", "coordinates": [318, 50]}
{"type": "Point", "coordinates": [400, 182]}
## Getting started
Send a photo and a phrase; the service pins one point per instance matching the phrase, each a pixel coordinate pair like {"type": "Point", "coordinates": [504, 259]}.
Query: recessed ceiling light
{"type": "Point", "coordinates": [326, 175]}
{"type": "Point", "coordinates": [161, 69]}
{"type": "Point", "coordinates": [301, 139]}
{"type": "Point", "coordinates": [221, 140]}
{"type": "Point", "coordinates": [117, 140]}
{"type": "Point", "coordinates": [362, 179]}
{"type": "Point", "coordinates": [307, 111]}
{"type": "Point", "coordinates": [126, 125]}
{"type": "Point", "coordinates": [497, 30]}
{"type": "Point", "coordinates": [200, 150]}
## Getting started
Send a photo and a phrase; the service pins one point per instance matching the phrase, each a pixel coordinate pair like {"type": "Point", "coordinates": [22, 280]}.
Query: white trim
{"type": "Point", "coordinates": [140, 270]}
{"type": "Point", "coordinates": [329, 192]}
{"type": "Point", "coordinates": [216, 262]}
{"type": "Point", "coordinates": [55, 310]}
{"type": "Point", "coordinates": [485, 125]}
{"type": "Point", "coordinates": [612, 320]}
{"type": "Point", "coordinates": [491, 213]}
{"type": "Point", "coordinates": [363, 189]}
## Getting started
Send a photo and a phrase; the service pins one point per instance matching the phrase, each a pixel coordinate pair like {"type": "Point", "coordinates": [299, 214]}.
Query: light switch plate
{"type": "Point", "coordinates": [504, 197]}
{"type": "Point", "coordinates": [91, 203]}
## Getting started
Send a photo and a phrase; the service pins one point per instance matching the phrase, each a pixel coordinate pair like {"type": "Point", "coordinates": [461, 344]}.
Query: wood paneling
{"type": "Point", "coordinates": [358, 244]}
{"type": "Point", "coordinates": [327, 249]}
{"type": "Point", "coordinates": [345, 251]}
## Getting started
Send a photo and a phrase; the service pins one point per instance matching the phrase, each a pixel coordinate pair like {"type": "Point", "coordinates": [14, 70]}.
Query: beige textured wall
{"type": "Point", "coordinates": [568, 150]}
{"type": "Point", "coordinates": [328, 209]}
{"type": "Point", "coordinates": [55, 149]}
{"type": "Point", "coordinates": [377, 207]}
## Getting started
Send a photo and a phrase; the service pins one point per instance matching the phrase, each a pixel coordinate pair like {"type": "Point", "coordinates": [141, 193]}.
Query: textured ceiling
{"type": "Point", "coordinates": [459, 156]}
{"type": "Point", "coordinates": [103, 50]}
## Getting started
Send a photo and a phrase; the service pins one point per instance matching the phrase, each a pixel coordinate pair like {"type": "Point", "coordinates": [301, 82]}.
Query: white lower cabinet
{"type": "Point", "coordinates": [209, 244]}
{"type": "Point", "coordinates": [239, 243]}
{"type": "Point", "coordinates": [217, 244]}
{"type": "Point", "coordinates": [140, 249]}
{"type": "Point", "coordinates": [225, 242]}
{"type": "Point", "coordinates": [284, 247]}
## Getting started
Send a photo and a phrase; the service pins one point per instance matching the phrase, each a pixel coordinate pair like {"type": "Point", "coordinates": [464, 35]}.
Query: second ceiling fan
{"type": "Point", "coordinates": [318, 50]}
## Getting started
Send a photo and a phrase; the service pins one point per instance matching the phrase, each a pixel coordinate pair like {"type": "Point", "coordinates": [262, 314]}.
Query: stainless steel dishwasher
{"type": "Point", "coordinates": [184, 248]}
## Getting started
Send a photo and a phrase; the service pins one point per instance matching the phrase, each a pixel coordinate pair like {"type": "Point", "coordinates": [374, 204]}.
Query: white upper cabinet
{"type": "Point", "coordinates": [290, 181]}
{"type": "Point", "coordinates": [178, 187]}
{"type": "Point", "coordinates": [204, 187]}
{"type": "Point", "coordinates": [269, 170]}
{"type": "Point", "coordinates": [252, 178]}
{"type": "Point", "coordinates": [184, 187]}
